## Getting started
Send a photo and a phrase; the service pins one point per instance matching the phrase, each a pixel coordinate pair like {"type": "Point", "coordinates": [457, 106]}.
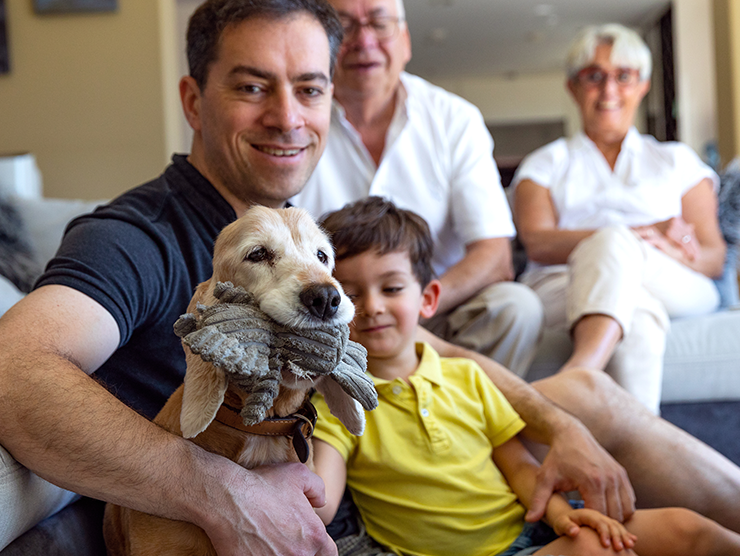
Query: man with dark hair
{"type": "Point", "coordinates": [258, 102]}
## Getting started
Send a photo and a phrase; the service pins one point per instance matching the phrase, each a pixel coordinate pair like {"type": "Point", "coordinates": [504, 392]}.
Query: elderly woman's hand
{"type": "Point", "coordinates": [675, 237]}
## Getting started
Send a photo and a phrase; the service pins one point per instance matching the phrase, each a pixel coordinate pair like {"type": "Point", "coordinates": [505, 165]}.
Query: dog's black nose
{"type": "Point", "coordinates": [322, 300]}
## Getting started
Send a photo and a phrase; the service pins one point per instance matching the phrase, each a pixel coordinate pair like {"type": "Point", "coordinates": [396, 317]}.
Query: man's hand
{"type": "Point", "coordinates": [273, 514]}
{"type": "Point", "coordinates": [576, 461]}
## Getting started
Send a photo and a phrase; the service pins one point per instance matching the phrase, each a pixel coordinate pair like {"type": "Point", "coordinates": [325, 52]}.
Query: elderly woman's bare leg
{"type": "Point", "coordinates": [594, 339]}
{"type": "Point", "coordinates": [667, 466]}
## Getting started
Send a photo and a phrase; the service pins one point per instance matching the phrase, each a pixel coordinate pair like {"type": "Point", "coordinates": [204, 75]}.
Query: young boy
{"type": "Point", "coordinates": [439, 469]}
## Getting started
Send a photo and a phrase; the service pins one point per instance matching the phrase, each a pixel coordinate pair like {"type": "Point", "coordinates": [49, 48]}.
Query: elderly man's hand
{"type": "Point", "coordinates": [576, 461]}
{"type": "Point", "coordinates": [271, 513]}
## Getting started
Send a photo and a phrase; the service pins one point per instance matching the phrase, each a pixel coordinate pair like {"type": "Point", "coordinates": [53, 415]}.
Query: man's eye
{"type": "Point", "coordinates": [322, 257]}
{"type": "Point", "coordinates": [313, 91]}
{"type": "Point", "coordinates": [380, 25]}
{"type": "Point", "coordinates": [250, 89]}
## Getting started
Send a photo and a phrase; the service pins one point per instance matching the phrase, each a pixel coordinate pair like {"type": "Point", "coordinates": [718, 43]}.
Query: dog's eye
{"type": "Point", "coordinates": [259, 254]}
{"type": "Point", "coordinates": [322, 257]}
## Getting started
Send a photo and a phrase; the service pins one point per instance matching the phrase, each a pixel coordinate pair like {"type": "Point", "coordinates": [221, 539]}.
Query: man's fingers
{"type": "Point", "coordinates": [543, 490]}
{"type": "Point", "coordinates": [328, 548]}
{"type": "Point", "coordinates": [627, 496]}
{"type": "Point", "coordinates": [313, 486]}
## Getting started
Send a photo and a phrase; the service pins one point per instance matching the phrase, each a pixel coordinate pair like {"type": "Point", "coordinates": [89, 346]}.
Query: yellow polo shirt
{"type": "Point", "coordinates": [422, 474]}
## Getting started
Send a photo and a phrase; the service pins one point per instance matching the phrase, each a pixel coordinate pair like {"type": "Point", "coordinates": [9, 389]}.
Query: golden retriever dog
{"type": "Point", "coordinates": [285, 261]}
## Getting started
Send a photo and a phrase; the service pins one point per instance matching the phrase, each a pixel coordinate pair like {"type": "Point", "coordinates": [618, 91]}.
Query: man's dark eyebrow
{"type": "Point", "coordinates": [312, 76]}
{"type": "Point", "coordinates": [269, 76]}
{"type": "Point", "coordinates": [255, 72]}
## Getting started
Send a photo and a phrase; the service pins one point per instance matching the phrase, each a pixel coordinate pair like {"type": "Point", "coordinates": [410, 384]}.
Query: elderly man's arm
{"type": "Point", "coordinates": [486, 262]}
{"type": "Point", "coordinates": [68, 429]}
{"type": "Point", "coordinates": [575, 460]}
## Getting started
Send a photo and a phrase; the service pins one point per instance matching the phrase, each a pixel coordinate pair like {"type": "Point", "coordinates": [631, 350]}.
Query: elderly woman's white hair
{"type": "Point", "coordinates": [628, 49]}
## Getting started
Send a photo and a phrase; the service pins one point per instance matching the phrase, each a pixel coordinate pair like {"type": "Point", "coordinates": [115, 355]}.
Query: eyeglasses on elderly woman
{"type": "Point", "coordinates": [593, 77]}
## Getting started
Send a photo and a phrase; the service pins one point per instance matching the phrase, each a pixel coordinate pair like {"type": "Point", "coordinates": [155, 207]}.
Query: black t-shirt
{"type": "Point", "coordinates": [141, 257]}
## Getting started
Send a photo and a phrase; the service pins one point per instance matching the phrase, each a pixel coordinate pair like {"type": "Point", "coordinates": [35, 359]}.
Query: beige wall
{"type": "Point", "coordinates": [696, 90]}
{"type": "Point", "coordinates": [727, 50]}
{"type": "Point", "coordinates": [518, 98]}
{"type": "Point", "coordinates": [85, 95]}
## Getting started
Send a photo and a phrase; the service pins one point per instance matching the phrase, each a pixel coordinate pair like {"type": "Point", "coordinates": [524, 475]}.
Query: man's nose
{"type": "Point", "coordinates": [361, 38]}
{"type": "Point", "coordinates": [284, 112]}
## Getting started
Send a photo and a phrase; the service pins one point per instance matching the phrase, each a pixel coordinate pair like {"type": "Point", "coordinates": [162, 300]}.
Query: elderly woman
{"type": "Point", "coordinates": [620, 230]}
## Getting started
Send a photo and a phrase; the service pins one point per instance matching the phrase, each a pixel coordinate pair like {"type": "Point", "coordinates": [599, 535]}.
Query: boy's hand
{"type": "Point", "coordinates": [611, 532]}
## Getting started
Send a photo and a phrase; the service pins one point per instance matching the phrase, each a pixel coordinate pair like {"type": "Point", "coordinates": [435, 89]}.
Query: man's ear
{"type": "Point", "coordinates": [430, 299]}
{"type": "Point", "coordinates": [190, 99]}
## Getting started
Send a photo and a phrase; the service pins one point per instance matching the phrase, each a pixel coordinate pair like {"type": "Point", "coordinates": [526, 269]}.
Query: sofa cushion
{"type": "Point", "coordinates": [700, 363]}
{"type": "Point", "coordinates": [9, 294]}
{"type": "Point", "coordinates": [46, 219]}
{"type": "Point", "coordinates": [17, 262]}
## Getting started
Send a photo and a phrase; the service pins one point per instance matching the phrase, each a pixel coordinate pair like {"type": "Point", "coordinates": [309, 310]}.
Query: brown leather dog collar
{"type": "Point", "coordinates": [298, 426]}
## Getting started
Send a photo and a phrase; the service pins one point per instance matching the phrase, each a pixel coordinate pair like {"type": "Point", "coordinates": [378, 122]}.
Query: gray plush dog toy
{"type": "Point", "coordinates": [253, 350]}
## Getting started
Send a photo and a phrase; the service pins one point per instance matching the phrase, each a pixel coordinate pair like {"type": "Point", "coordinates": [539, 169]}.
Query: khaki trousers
{"type": "Point", "coordinates": [504, 322]}
{"type": "Point", "coordinates": [615, 273]}
{"type": "Point", "coordinates": [25, 499]}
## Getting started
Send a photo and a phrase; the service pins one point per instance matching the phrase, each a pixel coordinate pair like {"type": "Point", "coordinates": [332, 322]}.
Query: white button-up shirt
{"type": "Point", "coordinates": [646, 186]}
{"type": "Point", "coordinates": [437, 162]}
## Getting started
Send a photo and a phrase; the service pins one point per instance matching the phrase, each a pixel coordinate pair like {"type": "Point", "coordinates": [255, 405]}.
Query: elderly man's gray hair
{"type": "Point", "coordinates": [401, 10]}
{"type": "Point", "coordinates": [628, 49]}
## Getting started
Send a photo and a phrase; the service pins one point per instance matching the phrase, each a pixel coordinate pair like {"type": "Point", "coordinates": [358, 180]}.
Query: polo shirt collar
{"type": "Point", "coordinates": [429, 368]}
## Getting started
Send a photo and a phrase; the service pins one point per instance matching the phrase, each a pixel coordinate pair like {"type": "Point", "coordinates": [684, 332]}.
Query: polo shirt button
{"type": "Point", "coordinates": [425, 412]}
{"type": "Point", "coordinates": [396, 390]}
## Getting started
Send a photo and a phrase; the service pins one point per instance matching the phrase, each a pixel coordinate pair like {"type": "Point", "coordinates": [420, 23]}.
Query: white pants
{"type": "Point", "coordinates": [615, 273]}
{"type": "Point", "coordinates": [25, 499]}
{"type": "Point", "coordinates": [504, 322]}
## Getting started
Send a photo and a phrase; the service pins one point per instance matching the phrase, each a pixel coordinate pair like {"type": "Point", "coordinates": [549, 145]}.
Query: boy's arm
{"type": "Point", "coordinates": [519, 467]}
{"type": "Point", "coordinates": [330, 466]}
{"type": "Point", "coordinates": [575, 460]}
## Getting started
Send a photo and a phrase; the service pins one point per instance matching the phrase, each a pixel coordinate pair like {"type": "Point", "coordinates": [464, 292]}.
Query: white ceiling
{"type": "Point", "coordinates": [492, 37]}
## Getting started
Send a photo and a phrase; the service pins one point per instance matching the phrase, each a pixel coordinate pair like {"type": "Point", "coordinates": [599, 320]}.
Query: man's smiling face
{"type": "Point", "coordinates": [262, 118]}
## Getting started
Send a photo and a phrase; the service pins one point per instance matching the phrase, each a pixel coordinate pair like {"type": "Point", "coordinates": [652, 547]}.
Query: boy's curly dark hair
{"type": "Point", "coordinates": [376, 224]}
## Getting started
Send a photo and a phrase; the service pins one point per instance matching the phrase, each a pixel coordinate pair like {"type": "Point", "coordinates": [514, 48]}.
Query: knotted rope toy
{"type": "Point", "coordinates": [237, 337]}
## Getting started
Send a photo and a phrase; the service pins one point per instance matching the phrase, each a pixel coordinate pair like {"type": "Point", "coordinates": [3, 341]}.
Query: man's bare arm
{"type": "Point", "coordinates": [68, 429]}
{"type": "Point", "coordinates": [575, 460]}
{"type": "Point", "coordinates": [486, 262]}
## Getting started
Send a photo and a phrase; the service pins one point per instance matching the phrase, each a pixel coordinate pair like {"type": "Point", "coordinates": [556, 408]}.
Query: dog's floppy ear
{"type": "Point", "coordinates": [343, 406]}
{"type": "Point", "coordinates": [205, 386]}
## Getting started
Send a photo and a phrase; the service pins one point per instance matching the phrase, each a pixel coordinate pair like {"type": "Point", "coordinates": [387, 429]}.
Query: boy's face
{"type": "Point", "coordinates": [388, 303]}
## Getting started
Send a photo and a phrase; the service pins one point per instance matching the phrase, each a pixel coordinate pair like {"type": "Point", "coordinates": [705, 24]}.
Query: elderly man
{"type": "Point", "coordinates": [397, 136]}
